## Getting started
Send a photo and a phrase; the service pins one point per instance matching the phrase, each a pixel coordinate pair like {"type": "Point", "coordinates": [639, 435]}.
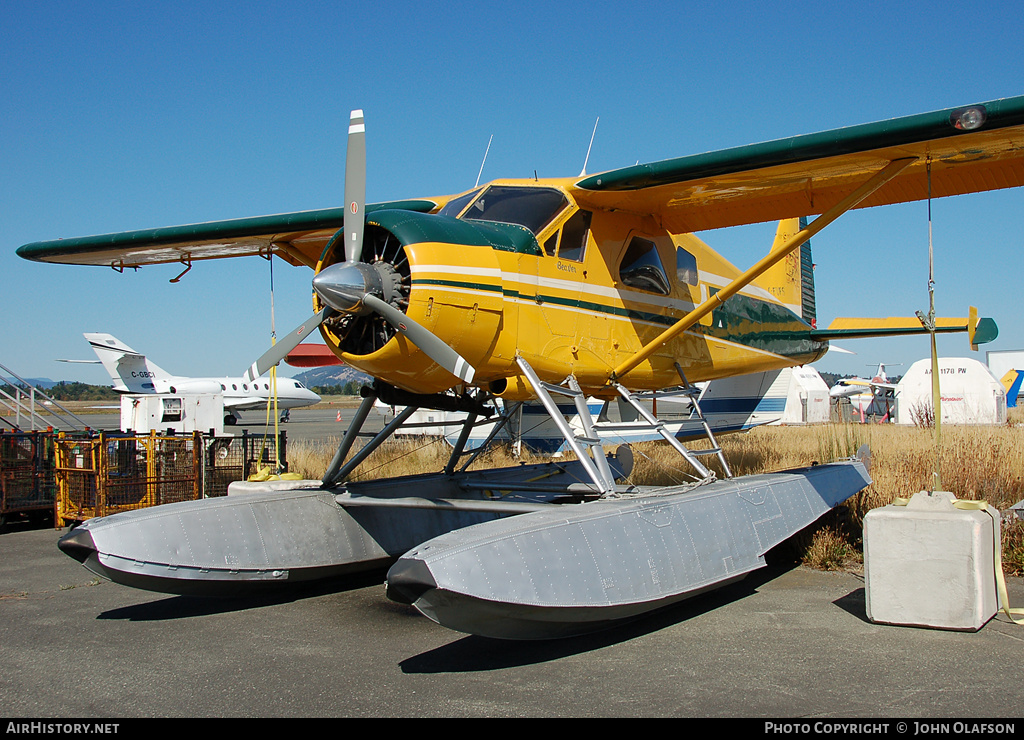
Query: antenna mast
{"type": "Point", "coordinates": [478, 174]}
{"type": "Point", "coordinates": [585, 161]}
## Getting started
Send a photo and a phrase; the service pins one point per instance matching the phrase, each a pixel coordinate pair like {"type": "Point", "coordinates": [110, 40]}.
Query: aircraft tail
{"type": "Point", "coordinates": [1012, 383]}
{"type": "Point", "coordinates": [131, 372]}
{"type": "Point", "coordinates": [792, 279]}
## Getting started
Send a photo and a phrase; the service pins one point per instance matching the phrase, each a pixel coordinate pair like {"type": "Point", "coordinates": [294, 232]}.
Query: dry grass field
{"type": "Point", "coordinates": [974, 463]}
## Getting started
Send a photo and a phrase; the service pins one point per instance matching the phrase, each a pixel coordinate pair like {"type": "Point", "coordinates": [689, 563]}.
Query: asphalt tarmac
{"type": "Point", "coordinates": [784, 643]}
{"type": "Point", "coordinates": [321, 422]}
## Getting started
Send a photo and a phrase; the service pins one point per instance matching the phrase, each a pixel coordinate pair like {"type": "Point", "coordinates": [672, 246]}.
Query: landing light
{"type": "Point", "coordinates": [968, 119]}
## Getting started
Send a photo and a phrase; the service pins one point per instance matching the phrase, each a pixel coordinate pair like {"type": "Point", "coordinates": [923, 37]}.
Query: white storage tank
{"type": "Point", "coordinates": [931, 564]}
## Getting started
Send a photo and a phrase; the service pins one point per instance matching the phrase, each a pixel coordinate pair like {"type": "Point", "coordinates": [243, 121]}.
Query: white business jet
{"type": "Point", "coordinates": [133, 372]}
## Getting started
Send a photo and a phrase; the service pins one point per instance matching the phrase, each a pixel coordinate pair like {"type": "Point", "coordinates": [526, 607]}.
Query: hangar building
{"type": "Point", "coordinates": [970, 393]}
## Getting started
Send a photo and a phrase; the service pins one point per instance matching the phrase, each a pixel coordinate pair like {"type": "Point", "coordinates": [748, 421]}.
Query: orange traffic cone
{"type": "Point", "coordinates": [339, 417]}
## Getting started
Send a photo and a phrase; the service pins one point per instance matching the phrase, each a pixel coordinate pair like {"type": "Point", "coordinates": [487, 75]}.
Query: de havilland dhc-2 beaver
{"type": "Point", "coordinates": [548, 290]}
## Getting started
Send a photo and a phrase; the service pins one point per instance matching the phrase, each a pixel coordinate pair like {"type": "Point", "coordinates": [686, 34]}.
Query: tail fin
{"type": "Point", "coordinates": [130, 371]}
{"type": "Point", "coordinates": [1012, 383]}
{"type": "Point", "coordinates": [792, 279]}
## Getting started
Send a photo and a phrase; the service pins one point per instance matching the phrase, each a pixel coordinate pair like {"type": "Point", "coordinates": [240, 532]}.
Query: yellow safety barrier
{"type": "Point", "coordinates": [109, 474]}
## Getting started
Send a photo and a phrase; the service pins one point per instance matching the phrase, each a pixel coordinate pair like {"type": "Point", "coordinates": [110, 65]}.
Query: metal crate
{"type": "Point", "coordinates": [109, 473]}
{"type": "Point", "coordinates": [27, 478]}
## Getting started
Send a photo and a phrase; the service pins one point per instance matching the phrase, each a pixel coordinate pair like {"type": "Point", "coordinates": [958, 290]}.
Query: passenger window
{"type": "Point", "coordinates": [686, 267]}
{"type": "Point", "coordinates": [641, 267]}
{"type": "Point", "coordinates": [574, 237]}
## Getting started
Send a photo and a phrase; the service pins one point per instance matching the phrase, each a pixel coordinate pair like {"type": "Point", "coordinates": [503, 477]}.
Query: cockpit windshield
{"type": "Point", "coordinates": [455, 205]}
{"type": "Point", "coordinates": [533, 208]}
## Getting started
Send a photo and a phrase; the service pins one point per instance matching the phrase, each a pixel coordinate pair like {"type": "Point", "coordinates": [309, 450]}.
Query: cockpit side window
{"type": "Point", "coordinates": [686, 267]}
{"type": "Point", "coordinates": [551, 245]}
{"type": "Point", "coordinates": [641, 267]}
{"type": "Point", "coordinates": [455, 205]}
{"type": "Point", "coordinates": [574, 237]}
{"type": "Point", "coordinates": [533, 208]}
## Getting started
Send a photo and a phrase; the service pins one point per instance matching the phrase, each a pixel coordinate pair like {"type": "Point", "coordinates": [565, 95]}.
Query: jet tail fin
{"type": "Point", "coordinates": [131, 372]}
{"type": "Point", "coordinates": [792, 279]}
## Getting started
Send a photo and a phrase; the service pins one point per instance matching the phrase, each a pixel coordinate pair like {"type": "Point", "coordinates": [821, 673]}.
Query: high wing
{"type": "Point", "coordinates": [969, 149]}
{"type": "Point", "coordinates": [299, 238]}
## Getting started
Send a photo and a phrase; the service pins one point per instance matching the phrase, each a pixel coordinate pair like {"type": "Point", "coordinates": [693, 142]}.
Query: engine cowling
{"type": "Point", "coordinates": [195, 385]}
{"type": "Point", "coordinates": [440, 272]}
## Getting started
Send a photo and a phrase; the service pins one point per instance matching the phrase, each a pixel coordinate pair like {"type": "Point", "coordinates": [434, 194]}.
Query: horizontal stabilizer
{"type": "Point", "coordinates": [983, 331]}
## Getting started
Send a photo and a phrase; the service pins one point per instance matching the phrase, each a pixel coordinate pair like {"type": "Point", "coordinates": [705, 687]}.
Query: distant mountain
{"type": "Point", "coordinates": [331, 375]}
{"type": "Point", "coordinates": [36, 382]}
{"type": "Point", "coordinates": [64, 390]}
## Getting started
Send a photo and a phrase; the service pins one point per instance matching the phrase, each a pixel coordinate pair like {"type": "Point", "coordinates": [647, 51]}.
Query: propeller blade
{"type": "Point", "coordinates": [355, 187]}
{"type": "Point", "coordinates": [280, 350]}
{"type": "Point", "coordinates": [423, 338]}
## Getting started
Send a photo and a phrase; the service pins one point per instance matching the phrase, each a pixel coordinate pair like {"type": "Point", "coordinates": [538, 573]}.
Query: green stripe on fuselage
{"type": "Point", "coordinates": [752, 322]}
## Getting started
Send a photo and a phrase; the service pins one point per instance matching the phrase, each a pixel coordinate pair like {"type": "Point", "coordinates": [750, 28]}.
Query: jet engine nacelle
{"type": "Point", "coordinates": [185, 385]}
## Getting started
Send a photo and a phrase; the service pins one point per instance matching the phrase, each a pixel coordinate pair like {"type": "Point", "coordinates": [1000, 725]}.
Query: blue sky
{"type": "Point", "coordinates": [124, 115]}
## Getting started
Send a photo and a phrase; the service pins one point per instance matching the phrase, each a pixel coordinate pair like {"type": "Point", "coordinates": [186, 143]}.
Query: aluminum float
{"type": "Point", "coordinates": [581, 568]}
{"type": "Point", "coordinates": [281, 532]}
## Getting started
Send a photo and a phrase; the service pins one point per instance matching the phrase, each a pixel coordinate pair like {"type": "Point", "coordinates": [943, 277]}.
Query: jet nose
{"type": "Point", "coordinates": [343, 285]}
{"type": "Point", "coordinates": [77, 544]}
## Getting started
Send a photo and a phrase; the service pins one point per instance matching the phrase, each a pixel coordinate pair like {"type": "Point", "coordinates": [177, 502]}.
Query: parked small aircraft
{"type": "Point", "coordinates": [587, 286]}
{"type": "Point", "coordinates": [872, 397]}
{"type": "Point", "coordinates": [133, 372]}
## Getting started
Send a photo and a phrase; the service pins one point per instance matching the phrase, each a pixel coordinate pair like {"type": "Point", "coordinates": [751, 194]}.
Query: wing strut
{"type": "Point", "coordinates": [878, 180]}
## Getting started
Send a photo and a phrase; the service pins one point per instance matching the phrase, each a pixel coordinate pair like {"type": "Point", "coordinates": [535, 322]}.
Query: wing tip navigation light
{"type": "Point", "coordinates": [969, 118]}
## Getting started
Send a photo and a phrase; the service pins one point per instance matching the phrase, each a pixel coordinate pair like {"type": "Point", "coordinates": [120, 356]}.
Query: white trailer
{"type": "Point", "coordinates": [183, 413]}
{"type": "Point", "coordinates": [1002, 361]}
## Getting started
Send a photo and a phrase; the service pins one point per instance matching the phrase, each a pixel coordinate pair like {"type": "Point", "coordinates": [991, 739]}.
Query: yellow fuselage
{"type": "Point", "coordinates": [572, 313]}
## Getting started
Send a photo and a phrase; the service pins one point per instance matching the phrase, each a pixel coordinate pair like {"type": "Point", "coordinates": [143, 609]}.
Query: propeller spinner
{"type": "Point", "coordinates": [357, 288]}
